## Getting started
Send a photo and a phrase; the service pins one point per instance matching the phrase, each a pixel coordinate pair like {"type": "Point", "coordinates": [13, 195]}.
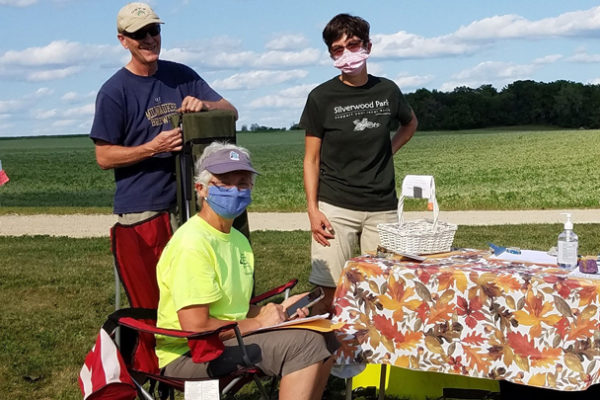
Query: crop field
{"type": "Point", "coordinates": [480, 169]}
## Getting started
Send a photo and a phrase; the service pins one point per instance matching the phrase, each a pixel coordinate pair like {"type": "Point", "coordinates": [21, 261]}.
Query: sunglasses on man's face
{"type": "Point", "coordinates": [140, 34]}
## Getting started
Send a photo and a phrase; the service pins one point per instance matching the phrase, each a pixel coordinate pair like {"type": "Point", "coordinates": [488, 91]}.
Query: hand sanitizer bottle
{"type": "Point", "coordinates": [567, 246]}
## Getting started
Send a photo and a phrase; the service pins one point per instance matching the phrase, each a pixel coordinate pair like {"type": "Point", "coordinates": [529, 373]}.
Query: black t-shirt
{"type": "Point", "coordinates": [355, 125]}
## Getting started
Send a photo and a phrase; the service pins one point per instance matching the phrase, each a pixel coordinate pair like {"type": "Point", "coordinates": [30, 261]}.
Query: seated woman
{"type": "Point", "coordinates": [205, 277]}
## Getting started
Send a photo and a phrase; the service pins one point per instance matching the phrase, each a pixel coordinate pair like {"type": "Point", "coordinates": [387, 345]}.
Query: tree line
{"type": "Point", "coordinates": [561, 103]}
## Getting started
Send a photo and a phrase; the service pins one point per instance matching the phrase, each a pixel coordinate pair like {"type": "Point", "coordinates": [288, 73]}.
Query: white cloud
{"type": "Point", "coordinates": [287, 42]}
{"type": "Point", "coordinates": [496, 69]}
{"type": "Point", "coordinates": [57, 60]}
{"type": "Point", "coordinates": [471, 38]}
{"type": "Point", "coordinates": [70, 96]}
{"type": "Point", "coordinates": [406, 82]}
{"type": "Point", "coordinates": [407, 45]}
{"type": "Point", "coordinates": [73, 97]}
{"type": "Point", "coordinates": [375, 69]}
{"type": "Point", "coordinates": [498, 73]}
{"type": "Point", "coordinates": [276, 101]}
{"type": "Point", "coordinates": [575, 23]}
{"type": "Point", "coordinates": [45, 114]}
{"type": "Point", "coordinates": [256, 79]}
{"type": "Point", "coordinates": [584, 57]}
{"type": "Point", "coordinates": [230, 60]}
{"type": "Point", "coordinates": [58, 52]}
{"type": "Point", "coordinates": [52, 74]}
{"type": "Point", "coordinates": [17, 3]}
{"type": "Point", "coordinates": [298, 90]}
{"type": "Point", "coordinates": [25, 102]}
{"type": "Point", "coordinates": [85, 110]}
{"type": "Point", "coordinates": [244, 59]}
{"type": "Point", "coordinates": [63, 123]}
{"type": "Point", "coordinates": [43, 91]}
{"type": "Point", "coordinates": [293, 98]}
{"type": "Point", "coordinates": [595, 81]}
{"type": "Point", "coordinates": [288, 58]}
{"type": "Point", "coordinates": [549, 59]}
{"type": "Point", "coordinates": [13, 105]}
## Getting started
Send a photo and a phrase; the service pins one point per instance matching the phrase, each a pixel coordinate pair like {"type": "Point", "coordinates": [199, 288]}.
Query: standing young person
{"type": "Point", "coordinates": [348, 163]}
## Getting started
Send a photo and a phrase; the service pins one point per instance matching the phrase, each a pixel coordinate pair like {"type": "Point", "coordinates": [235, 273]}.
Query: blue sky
{"type": "Point", "coordinates": [266, 55]}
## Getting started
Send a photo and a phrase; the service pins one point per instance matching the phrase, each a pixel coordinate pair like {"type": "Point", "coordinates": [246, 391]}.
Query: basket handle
{"type": "Point", "coordinates": [415, 195]}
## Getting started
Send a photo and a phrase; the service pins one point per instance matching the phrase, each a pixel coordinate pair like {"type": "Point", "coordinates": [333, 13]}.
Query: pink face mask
{"type": "Point", "coordinates": [352, 62]}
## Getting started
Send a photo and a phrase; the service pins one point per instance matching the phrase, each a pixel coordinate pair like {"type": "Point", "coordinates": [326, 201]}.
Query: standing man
{"type": "Point", "coordinates": [131, 128]}
{"type": "Point", "coordinates": [348, 162]}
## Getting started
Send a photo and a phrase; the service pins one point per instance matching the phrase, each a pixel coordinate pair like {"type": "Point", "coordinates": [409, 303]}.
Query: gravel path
{"type": "Point", "coordinates": [98, 225]}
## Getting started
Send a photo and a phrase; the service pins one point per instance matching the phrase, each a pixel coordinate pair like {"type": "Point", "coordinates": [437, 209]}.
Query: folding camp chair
{"type": "Point", "coordinates": [136, 249]}
{"type": "Point", "coordinates": [199, 130]}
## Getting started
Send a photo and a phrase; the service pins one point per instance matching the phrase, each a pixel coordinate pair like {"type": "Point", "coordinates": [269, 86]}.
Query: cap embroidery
{"type": "Point", "coordinates": [234, 156]}
{"type": "Point", "coordinates": [139, 11]}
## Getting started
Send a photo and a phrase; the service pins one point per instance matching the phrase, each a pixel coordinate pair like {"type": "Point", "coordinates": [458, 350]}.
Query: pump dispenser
{"type": "Point", "coordinates": [567, 245]}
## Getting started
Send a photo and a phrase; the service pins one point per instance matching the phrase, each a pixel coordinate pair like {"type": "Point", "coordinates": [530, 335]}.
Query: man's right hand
{"type": "Point", "coordinates": [167, 141]}
{"type": "Point", "coordinates": [320, 227]}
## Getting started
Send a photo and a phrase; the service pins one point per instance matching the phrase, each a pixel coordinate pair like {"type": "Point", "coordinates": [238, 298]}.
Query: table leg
{"type": "Point", "coordinates": [382, 382]}
{"type": "Point", "coordinates": [348, 388]}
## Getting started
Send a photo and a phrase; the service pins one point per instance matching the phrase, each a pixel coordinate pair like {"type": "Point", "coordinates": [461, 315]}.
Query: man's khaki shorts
{"type": "Point", "coordinates": [351, 228]}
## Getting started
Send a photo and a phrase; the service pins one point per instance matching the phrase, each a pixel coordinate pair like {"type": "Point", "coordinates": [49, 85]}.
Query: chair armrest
{"type": "Point", "coordinates": [204, 346]}
{"type": "Point", "coordinates": [273, 292]}
{"type": "Point", "coordinates": [142, 326]}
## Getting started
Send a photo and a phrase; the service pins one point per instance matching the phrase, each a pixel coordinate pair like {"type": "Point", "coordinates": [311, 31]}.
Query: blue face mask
{"type": "Point", "coordinates": [228, 202]}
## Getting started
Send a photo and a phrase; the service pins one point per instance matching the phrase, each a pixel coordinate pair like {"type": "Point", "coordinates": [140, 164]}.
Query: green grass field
{"type": "Point", "coordinates": [485, 169]}
{"type": "Point", "coordinates": [56, 292]}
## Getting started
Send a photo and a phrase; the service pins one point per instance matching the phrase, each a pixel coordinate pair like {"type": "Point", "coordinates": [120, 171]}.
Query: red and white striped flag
{"type": "Point", "coordinates": [104, 375]}
{"type": "Point", "coordinates": [3, 176]}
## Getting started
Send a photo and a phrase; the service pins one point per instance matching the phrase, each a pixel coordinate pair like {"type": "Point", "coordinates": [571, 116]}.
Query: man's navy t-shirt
{"type": "Point", "coordinates": [132, 110]}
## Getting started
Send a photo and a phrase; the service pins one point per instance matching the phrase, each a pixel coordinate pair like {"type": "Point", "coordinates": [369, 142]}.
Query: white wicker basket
{"type": "Point", "coordinates": [422, 236]}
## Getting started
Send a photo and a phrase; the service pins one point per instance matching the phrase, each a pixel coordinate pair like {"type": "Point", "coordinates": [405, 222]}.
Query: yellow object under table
{"type": "Point", "coordinates": [418, 385]}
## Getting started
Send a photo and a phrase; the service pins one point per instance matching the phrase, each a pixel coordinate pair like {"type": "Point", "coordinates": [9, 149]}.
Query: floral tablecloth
{"type": "Point", "coordinates": [471, 315]}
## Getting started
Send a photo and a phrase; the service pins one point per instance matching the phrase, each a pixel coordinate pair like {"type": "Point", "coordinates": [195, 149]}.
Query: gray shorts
{"type": "Point", "coordinates": [134, 218]}
{"type": "Point", "coordinates": [275, 353]}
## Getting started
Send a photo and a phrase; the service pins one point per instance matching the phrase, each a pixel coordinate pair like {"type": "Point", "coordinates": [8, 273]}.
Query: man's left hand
{"type": "Point", "coordinates": [191, 104]}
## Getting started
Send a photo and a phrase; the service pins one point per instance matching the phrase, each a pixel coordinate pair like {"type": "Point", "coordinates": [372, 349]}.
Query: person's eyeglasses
{"type": "Point", "coordinates": [352, 45]}
{"type": "Point", "coordinates": [240, 185]}
{"type": "Point", "coordinates": [140, 34]}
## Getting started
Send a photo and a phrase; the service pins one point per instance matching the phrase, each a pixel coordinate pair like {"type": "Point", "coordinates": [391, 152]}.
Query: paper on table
{"type": "Point", "coordinates": [315, 322]}
{"type": "Point", "coordinates": [531, 256]}
{"type": "Point", "coordinates": [578, 274]}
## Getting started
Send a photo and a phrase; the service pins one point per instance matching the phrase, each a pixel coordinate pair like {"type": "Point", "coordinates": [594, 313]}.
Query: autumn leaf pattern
{"type": "Point", "coordinates": [467, 314]}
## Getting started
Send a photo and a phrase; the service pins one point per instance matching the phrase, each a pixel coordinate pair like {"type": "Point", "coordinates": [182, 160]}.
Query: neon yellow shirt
{"type": "Point", "coordinates": [201, 265]}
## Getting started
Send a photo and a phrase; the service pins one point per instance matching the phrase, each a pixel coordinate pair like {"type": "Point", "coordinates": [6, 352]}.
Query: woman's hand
{"type": "Point", "coordinates": [270, 314]}
{"type": "Point", "coordinates": [320, 227]}
{"type": "Point", "coordinates": [301, 312]}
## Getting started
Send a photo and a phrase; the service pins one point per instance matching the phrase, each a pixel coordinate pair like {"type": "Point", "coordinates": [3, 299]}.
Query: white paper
{"type": "Point", "coordinates": [296, 321]}
{"type": "Point", "coordinates": [424, 182]}
{"type": "Point", "coordinates": [532, 256]}
{"type": "Point", "coordinates": [578, 274]}
{"type": "Point", "coordinates": [202, 390]}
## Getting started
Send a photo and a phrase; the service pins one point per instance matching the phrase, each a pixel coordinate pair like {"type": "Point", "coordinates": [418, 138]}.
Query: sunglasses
{"type": "Point", "coordinates": [352, 45]}
{"type": "Point", "coordinates": [140, 34]}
